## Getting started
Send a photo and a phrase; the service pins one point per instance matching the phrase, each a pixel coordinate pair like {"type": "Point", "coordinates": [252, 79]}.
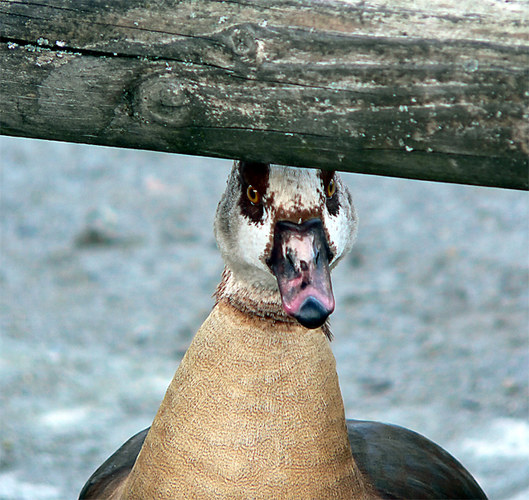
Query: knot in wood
{"type": "Point", "coordinates": [242, 41]}
{"type": "Point", "coordinates": [163, 99]}
{"type": "Point", "coordinates": [173, 96]}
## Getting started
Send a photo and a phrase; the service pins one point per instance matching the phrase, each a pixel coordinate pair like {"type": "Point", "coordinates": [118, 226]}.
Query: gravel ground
{"type": "Point", "coordinates": [108, 264]}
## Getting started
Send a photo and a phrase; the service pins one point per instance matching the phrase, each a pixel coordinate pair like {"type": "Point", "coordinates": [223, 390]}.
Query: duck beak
{"type": "Point", "coordinates": [300, 262]}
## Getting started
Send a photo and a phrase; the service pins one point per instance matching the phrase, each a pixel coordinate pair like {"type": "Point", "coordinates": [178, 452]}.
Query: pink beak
{"type": "Point", "coordinates": [300, 262]}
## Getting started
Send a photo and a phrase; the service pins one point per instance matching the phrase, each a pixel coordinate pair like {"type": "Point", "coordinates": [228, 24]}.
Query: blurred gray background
{"type": "Point", "coordinates": [107, 268]}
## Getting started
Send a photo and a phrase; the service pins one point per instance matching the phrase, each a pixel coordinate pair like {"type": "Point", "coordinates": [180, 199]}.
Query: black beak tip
{"type": "Point", "coordinates": [312, 314]}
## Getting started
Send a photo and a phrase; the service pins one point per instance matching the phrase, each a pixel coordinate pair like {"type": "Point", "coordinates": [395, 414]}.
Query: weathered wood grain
{"type": "Point", "coordinates": [438, 91]}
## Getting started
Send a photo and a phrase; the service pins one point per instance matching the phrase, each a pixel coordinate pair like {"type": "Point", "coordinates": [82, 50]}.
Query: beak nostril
{"type": "Point", "coordinates": [291, 260]}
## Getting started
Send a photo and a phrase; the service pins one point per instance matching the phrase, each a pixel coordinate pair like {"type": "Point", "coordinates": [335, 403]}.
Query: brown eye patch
{"type": "Point", "coordinates": [253, 178]}
{"type": "Point", "coordinates": [330, 188]}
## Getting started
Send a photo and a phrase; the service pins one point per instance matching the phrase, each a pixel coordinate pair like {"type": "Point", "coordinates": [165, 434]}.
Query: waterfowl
{"type": "Point", "coordinates": [254, 409]}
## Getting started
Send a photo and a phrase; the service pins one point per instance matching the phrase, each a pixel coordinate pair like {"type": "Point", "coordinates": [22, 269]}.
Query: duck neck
{"type": "Point", "coordinates": [254, 410]}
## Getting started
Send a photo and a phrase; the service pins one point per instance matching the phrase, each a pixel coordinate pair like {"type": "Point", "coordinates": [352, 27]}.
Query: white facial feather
{"type": "Point", "coordinates": [295, 188]}
{"type": "Point", "coordinates": [341, 228]}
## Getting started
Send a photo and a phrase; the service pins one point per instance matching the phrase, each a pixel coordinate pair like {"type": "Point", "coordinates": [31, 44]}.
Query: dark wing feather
{"type": "Point", "coordinates": [114, 469]}
{"type": "Point", "coordinates": [403, 464]}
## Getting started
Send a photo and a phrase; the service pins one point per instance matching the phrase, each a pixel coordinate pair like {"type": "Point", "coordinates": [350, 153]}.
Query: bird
{"type": "Point", "coordinates": [254, 409]}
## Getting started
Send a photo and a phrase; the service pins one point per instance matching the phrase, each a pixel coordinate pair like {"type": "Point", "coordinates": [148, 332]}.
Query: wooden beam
{"type": "Point", "coordinates": [434, 90]}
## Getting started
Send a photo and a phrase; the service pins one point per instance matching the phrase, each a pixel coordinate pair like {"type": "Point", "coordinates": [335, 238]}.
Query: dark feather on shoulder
{"type": "Point", "coordinates": [403, 464]}
{"type": "Point", "coordinates": [114, 469]}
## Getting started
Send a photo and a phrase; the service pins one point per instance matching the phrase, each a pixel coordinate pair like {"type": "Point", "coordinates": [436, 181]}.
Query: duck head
{"type": "Point", "coordinates": [281, 230]}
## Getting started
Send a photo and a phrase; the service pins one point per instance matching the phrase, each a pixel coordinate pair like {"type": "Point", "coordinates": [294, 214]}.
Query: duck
{"type": "Point", "coordinates": [254, 409]}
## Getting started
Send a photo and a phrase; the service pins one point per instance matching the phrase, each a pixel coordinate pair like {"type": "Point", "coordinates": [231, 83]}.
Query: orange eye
{"type": "Point", "coordinates": [331, 188]}
{"type": "Point", "coordinates": [253, 195]}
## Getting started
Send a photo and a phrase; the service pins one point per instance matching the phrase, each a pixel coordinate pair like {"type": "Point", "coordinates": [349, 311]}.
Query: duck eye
{"type": "Point", "coordinates": [331, 188]}
{"type": "Point", "coordinates": [253, 195]}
